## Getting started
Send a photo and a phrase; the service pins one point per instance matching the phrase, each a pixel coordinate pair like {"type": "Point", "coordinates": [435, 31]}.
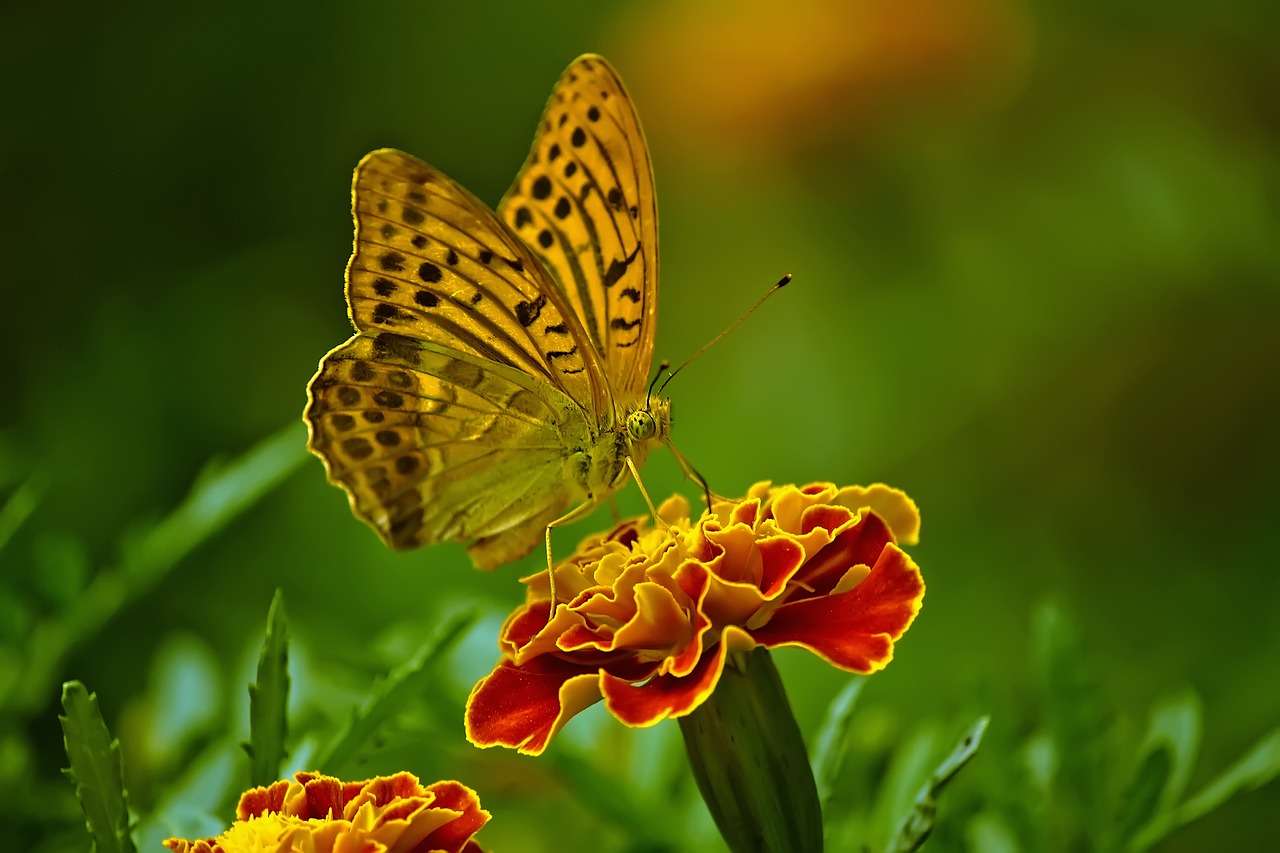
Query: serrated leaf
{"type": "Point", "coordinates": [833, 739]}
{"type": "Point", "coordinates": [1256, 768]}
{"type": "Point", "coordinates": [918, 824]}
{"type": "Point", "coordinates": [97, 770]}
{"type": "Point", "coordinates": [391, 695]}
{"type": "Point", "coordinates": [269, 700]}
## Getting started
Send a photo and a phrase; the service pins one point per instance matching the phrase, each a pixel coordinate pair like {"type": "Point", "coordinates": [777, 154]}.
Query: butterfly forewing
{"type": "Point", "coordinates": [584, 202]}
{"type": "Point", "coordinates": [432, 263]}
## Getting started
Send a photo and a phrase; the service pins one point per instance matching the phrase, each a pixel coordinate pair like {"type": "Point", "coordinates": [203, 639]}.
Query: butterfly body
{"type": "Point", "coordinates": [496, 382]}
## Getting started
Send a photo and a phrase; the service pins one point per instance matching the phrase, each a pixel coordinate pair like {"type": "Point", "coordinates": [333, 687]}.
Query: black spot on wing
{"type": "Point", "coordinates": [385, 314]}
{"type": "Point", "coordinates": [389, 399]}
{"type": "Point", "coordinates": [397, 346]}
{"type": "Point", "coordinates": [528, 311]}
{"type": "Point", "coordinates": [429, 272]}
{"type": "Point", "coordinates": [554, 354]}
{"type": "Point", "coordinates": [618, 268]}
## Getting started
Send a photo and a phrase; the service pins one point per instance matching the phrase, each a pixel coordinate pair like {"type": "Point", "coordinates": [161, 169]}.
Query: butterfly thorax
{"type": "Point", "coordinates": [604, 468]}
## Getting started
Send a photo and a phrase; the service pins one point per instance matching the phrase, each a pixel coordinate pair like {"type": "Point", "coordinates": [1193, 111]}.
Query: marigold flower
{"type": "Point", "coordinates": [321, 814]}
{"type": "Point", "coordinates": [646, 616]}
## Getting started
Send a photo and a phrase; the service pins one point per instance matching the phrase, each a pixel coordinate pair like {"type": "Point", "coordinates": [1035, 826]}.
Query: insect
{"type": "Point", "coordinates": [496, 384]}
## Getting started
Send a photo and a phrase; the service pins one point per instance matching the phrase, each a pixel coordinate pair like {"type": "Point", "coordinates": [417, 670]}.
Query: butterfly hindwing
{"type": "Point", "coordinates": [434, 445]}
{"type": "Point", "coordinates": [584, 202]}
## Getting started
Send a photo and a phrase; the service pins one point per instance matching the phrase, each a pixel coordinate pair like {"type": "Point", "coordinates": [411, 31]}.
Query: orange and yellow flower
{"type": "Point", "coordinates": [646, 616]}
{"type": "Point", "coordinates": [321, 814]}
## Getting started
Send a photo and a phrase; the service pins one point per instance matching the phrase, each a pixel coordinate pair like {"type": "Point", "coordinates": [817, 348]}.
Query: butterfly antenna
{"type": "Point", "coordinates": [690, 471]}
{"type": "Point", "coordinates": [663, 367]}
{"type": "Point", "coordinates": [782, 282]}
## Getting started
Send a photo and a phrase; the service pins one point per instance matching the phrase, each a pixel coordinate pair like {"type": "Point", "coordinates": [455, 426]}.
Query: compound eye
{"type": "Point", "coordinates": [641, 425]}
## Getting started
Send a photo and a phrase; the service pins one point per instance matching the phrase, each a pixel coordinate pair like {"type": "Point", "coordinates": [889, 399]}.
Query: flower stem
{"type": "Point", "coordinates": [750, 761]}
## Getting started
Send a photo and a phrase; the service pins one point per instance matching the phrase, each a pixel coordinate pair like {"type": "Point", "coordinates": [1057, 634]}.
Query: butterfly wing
{"type": "Point", "coordinates": [584, 202]}
{"type": "Point", "coordinates": [436, 445]}
{"type": "Point", "coordinates": [456, 410]}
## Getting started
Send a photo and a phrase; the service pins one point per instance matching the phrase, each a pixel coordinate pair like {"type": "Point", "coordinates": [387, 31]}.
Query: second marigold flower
{"type": "Point", "coordinates": [646, 616]}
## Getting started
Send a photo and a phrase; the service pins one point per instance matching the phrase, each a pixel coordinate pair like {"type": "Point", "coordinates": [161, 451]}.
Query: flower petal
{"type": "Point", "coordinates": [854, 630]}
{"type": "Point", "coordinates": [665, 696]}
{"type": "Point", "coordinates": [523, 706]}
{"type": "Point", "coordinates": [893, 505]}
{"type": "Point", "coordinates": [455, 797]}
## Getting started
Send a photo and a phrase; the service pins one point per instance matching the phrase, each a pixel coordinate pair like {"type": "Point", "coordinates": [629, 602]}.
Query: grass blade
{"type": "Point", "coordinates": [391, 695]}
{"type": "Point", "coordinates": [833, 739]}
{"type": "Point", "coordinates": [214, 500]}
{"type": "Point", "coordinates": [918, 823]}
{"type": "Point", "coordinates": [1258, 767]}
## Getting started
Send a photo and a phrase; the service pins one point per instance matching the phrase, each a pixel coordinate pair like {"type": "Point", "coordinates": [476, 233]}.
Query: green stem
{"type": "Point", "coordinates": [750, 761]}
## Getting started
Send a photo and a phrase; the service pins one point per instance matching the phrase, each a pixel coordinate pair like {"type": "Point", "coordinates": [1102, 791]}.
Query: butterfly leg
{"type": "Point", "coordinates": [689, 471]}
{"type": "Point", "coordinates": [581, 510]}
{"type": "Point", "coordinates": [635, 475]}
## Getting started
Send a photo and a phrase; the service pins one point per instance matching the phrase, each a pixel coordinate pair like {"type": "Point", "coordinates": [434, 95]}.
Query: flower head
{"type": "Point", "coordinates": [646, 616]}
{"type": "Point", "coordinates": [321, 814]}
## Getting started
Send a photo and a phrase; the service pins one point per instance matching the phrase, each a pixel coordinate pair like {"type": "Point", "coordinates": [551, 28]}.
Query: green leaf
{"type": "Point", "coordinates": [750, 762]}
{"type": "Point", "coordinates": [833, 739]}
{"type": "Point", "coordinates": [21, 503]}
{"type": "Point", "coordinates": [1142, 796]}
{"type": "Point", "coordinates": [918, 823]}
{"type": "Point", "coordinates": [1076, 719]}
{"type": "Point", "coordinates": [1258, 767]}
{"type": "Point", "coordinates": [269, 700]}
{"type": "Point", "coordinates": [391, 695]}
{"type": "Point", "coordinates": [97, 770]}
{"type": "Point", "coordinates": [1167, 758]}
{"type": "Point", "coordinates": [217, 497]}
{"type": "Point", "coordinates": [1176, 722]}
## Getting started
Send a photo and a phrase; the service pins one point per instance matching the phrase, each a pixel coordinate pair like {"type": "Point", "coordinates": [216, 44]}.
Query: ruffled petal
{"type": "Point", "coordinates": [854, 630]}
{"type": "Point", "coordinates": [665, 696]}
{"type": "Point", "coordinates": [523, 706]}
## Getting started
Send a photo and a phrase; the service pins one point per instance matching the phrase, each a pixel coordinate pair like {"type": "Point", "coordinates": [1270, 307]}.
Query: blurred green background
{"type": "Point", "coordinates": [1036, 256]}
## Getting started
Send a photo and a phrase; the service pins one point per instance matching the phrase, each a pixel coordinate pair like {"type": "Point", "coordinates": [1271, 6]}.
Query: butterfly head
{"type": "Point", "coordinates": [650, 422]}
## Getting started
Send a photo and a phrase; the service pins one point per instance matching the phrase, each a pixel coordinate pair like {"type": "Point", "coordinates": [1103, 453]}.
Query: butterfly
{"type": "Point", "coordinates": [496, 383]}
